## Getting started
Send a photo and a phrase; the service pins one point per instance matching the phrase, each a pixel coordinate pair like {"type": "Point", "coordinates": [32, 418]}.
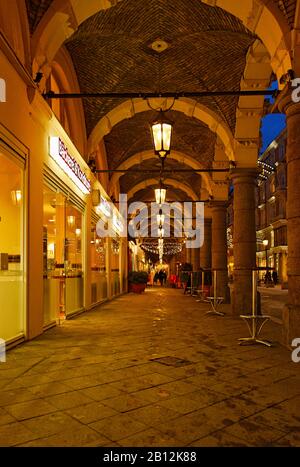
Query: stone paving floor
{"type": "Point", "coordinates": [149, 370]}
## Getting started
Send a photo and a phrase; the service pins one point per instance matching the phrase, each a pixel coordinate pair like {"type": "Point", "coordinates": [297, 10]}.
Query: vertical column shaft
{"type": "Point", "coordinates": [291, 314]}
{"type": "Point", "coordinates": [219, 249]}
{"type": "Point", "coordinates": [244, 238]}
{"type": "Point", "coordinates": [205, 250]}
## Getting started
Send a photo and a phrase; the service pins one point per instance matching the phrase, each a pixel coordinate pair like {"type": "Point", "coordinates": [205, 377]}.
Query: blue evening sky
{"type": "Point", "coordinates": [271, 125]}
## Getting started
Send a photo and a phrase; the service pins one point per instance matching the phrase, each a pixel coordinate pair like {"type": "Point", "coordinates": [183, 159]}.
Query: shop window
{"type": "Point", "coordinates": [12, 309]}
{"type": "Point", "coordinates": [63, 265]}
{"type": "Point", "coordinates": [98, 267]}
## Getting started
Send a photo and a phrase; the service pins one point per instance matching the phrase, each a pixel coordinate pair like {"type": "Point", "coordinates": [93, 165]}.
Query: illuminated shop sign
{"type": "Point", "coordinates": [59, 152]}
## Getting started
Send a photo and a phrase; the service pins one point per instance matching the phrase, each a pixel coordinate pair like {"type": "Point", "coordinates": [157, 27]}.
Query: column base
{"type": "Point", "coordinates": [242, 294]}
{"type": "Point", "coordinates": [291, 324]}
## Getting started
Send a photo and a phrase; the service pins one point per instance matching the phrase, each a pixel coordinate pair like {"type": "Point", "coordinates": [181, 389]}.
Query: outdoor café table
{"type": "Point", "coordinates": [214, 303]}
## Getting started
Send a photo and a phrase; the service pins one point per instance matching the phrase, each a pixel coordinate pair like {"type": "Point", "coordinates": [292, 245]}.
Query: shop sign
{"type": "Point", "coordinates": [59, 152]}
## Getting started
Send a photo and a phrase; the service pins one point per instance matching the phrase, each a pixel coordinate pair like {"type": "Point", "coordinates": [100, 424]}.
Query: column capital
{"type": "Point", "coordinates": [286, 101]}
{"type": "Point", "coordinates": [219, 205]}
{"type": "Point", "coordinates": [244, 174]}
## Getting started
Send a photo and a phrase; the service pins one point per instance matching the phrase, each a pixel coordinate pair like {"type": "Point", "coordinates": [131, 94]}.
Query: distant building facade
{"type": "Point", "coordinates": [271, 197]}
{"type": "Point", "coordinates": [271, 223]}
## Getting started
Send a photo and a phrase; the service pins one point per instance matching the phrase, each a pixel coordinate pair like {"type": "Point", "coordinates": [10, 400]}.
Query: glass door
{"type": "Point", "coordinates": [73, 259]}
{"type": "Point", "coordinates": [53, 256]}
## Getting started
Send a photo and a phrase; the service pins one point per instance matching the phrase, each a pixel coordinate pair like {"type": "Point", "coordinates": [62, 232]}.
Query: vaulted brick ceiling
{"type": "Point", "coordinates": [206, 50]}
{"type": "Point", "coordinates": [36, 9]}
{"type": "Point", "coordinates": [131, 137]}
{"type": "Point", "coordinates": [288, 8]}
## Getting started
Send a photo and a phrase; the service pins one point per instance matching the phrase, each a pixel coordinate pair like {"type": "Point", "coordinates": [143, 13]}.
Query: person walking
{"type": "Point", "coordinates": [161, 277]}
{"type": "Point", "coordinates": [275, 277]}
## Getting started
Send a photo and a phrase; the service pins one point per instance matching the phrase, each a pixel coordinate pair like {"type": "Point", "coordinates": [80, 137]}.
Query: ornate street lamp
{"type": "Point", "coordinates": [161, 131]}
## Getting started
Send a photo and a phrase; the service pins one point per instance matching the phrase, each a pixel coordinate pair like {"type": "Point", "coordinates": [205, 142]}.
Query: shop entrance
{"type": "Point", "coordinates": [62, 256]}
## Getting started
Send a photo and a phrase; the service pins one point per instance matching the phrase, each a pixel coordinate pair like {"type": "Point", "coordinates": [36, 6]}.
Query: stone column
{"type": "Point", "coordinates": [291, 314]}
{"type": "Point", "coordinates": [244, 238]}
{"type": "Point", "coordinates": [195, 258]}
{"type": "Point", "coordinates": [188, 255]}
{"type": "Point", "coordinates": [219, 249]}
{"type": "Point", "coordinates": [205, 250]}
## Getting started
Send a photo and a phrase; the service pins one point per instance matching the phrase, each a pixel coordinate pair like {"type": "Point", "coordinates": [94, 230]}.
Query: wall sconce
{"type": "Point", "coordinates": [71, 221]}
{"type": "Point", "coordinates": [16, 196]}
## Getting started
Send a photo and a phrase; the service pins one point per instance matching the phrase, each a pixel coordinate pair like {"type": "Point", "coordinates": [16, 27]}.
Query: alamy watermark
{"type": "Point", "coordinates": [2, 90]}
{"type": "Point", "coordinates": [187, 220]}
{"type": "Point", "coordinates": [2, 351]}
{"type": "Point", "coordinates": [296, 352]}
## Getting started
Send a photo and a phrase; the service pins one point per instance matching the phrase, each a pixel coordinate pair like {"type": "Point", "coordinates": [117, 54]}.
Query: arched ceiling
{"type": "Point", "coordinates": [151, 46]}
{"type": "Point", "coordinates": [129, 180]}
{"type": "Point", "coordinates": [205, 50]}
{"type": "Point", "coordinates": [173, 194]}
{"type": "Point", "coordinates": [132, 136]}
{"type": "Point", "coordinates": [37, 8]}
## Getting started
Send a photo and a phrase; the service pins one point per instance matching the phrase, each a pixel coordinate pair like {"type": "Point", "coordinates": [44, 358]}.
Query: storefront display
{"type": "Point", "coordinates": [63, 263]}
{"type": "Point", "coordinates": [98, 267]}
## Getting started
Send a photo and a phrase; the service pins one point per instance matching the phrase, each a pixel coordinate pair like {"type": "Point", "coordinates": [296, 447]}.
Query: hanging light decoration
{"type": "Point", "coordinates": [160, 218]}
{"type": "Point", "coordinates": [161, 231]}
{"type": "Point", "coordinates": [161, 131]}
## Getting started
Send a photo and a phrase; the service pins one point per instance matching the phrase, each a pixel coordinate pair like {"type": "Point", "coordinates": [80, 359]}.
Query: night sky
{"type": "Point", "coordinates": [272, 124]}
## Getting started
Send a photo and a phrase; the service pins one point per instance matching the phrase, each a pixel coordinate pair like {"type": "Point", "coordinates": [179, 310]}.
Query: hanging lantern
{"type": "Point", "coordinates": [161, 130]}
{"type": "Point", "coordinates": [161, 232]}
{"type": "Point", "coordinates": [160, 194]}
{"type": "Point", "coordinates": [160, 219]}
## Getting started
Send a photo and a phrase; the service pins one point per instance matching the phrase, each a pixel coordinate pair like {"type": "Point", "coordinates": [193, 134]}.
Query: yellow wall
{"type": "Point", "coordinates": [30, 122]}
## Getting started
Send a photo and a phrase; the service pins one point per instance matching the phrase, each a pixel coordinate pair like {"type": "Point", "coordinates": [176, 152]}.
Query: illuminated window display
{"type": "Point", "coordinates": [63, 265]}
{"type": "Point", "coordinates": [98, 267]}
{"type": "Point", "coordinates": [115, 266]}
{"type": "Point", "coordinates": [12, 309]}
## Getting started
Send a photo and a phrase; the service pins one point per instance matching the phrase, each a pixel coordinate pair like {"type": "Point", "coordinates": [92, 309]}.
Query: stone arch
{"type": "Point", "coordinates": [262, 17]}
{"type": "Point", "coordinates": [176, 155]}
{"type": "Point", "coordinates": [63, 71]}
{"type": "Point", "coordinates": [168, 181]}
{"type": "Point", "coordinates": [250, 109]}
{"type": "Point", "coordinates": [16, 29]}
{"type": "Point", "coordinates": [187, 106]}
